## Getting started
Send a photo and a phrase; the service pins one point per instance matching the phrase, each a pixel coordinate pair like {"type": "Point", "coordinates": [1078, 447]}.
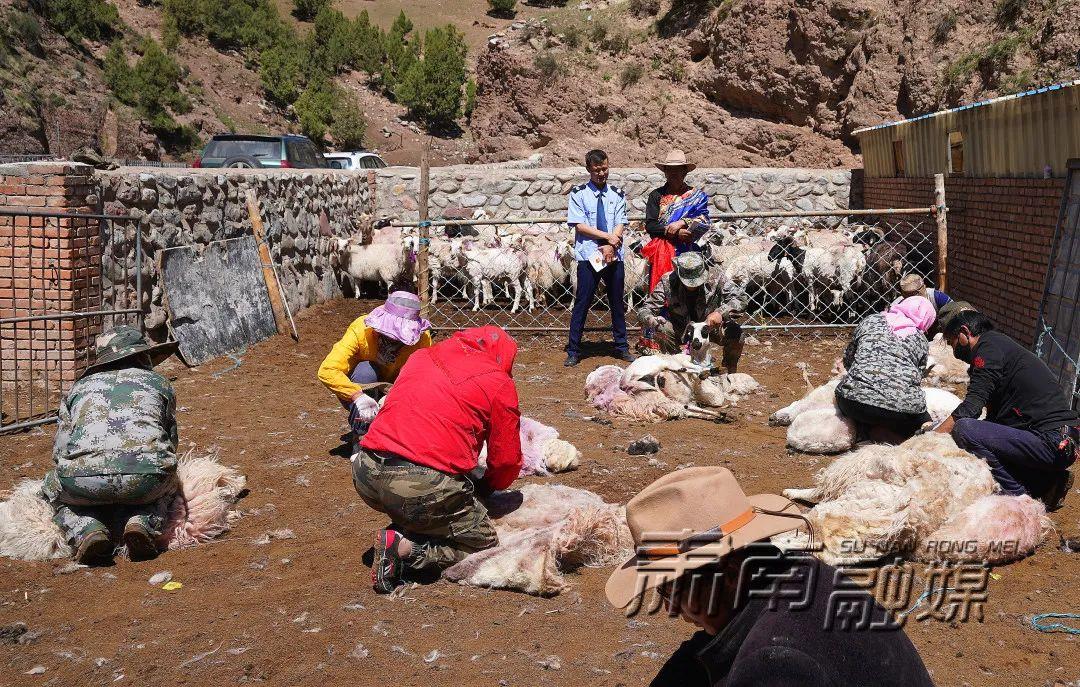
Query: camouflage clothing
{"type": "Point", "coordinates": [884, 370]}
{"type": "Point", "coordinates": [685, 306]}
{"type": "Point", "coordinates": [115, 452]}
{"type": "Point", "coordinates": [438, 512]}
{"type": "Point", "coordinates": [107, 502]}
{"type": "Point", "coordinates": [117, 422]}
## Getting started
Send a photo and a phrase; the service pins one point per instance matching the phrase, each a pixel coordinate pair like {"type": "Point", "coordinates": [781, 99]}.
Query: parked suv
{"type": "Point", "coordinates": [241, 150]}
{"type": "Point", "coordinates": [360, 159]}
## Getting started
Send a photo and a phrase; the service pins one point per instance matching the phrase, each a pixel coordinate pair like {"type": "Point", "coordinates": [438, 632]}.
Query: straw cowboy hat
{"type": "Point", "coordinates": [676, 158]}
{"type": "Point", "coordinates": [689, 519]}
{"type": "Point", "coordinates": [125, 342]}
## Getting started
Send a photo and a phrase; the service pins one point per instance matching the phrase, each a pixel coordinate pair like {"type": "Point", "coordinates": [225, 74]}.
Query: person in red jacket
{"type": "Point", "coordinates": [414, 463]}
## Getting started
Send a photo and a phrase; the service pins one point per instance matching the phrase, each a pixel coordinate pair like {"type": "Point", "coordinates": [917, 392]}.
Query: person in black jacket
{"type": "Point", "coordinates": [766, 618]}
{"type": "Point", "coordinates": [1029, 437]}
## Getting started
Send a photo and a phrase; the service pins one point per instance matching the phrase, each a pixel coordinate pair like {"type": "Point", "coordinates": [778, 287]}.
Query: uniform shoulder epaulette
{"type": "Point", "coordinates": [618, 190]}
{"type": "Point", "coordinates": [577, 188]}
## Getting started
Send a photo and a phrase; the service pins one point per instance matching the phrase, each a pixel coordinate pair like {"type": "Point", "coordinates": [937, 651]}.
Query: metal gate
{"type": "Point", "coordinates": [64, 278]}
{"type": "Point", "coordinates": [1057, 331]}
{"type": "Point", "coordinates": [808, 272]}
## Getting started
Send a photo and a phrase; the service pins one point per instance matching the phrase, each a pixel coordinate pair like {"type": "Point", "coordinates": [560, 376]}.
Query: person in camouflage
{"type": "Point", "coordinates": [681, 298]}
{"type": "Point", "coordinates": [115, 450]}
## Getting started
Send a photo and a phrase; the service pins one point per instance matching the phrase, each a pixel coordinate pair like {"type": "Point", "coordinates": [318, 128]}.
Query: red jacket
{"type": "Point", "coordinates": [451, 398]}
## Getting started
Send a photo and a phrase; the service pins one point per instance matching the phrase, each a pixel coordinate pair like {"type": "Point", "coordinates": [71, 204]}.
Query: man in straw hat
{"type": "Point", "coordinates": [115, 450]}
{"type": "Point", "coordinates": [416, 461]}
{"type": "Point", "coordinates": [597, 213]}
{"type": "Point", "coordinates": [766, 618]}
{"type": "Point", "coordinates": [682, 297]}
{"type": "Point", "coordinates": [367, 359]}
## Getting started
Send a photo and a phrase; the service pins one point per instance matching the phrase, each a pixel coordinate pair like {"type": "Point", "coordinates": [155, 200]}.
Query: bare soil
{"type": "Point", "coordinates": [300, 611]}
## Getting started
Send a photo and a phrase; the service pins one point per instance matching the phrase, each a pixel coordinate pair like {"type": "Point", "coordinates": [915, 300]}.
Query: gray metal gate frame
{"type": "Point", "coordinates": [1056, 350]}
{"type": "Point", "coordinates": [25, 377]}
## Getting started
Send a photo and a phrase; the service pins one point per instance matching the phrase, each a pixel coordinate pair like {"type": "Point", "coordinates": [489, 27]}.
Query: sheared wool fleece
{"type": "Point", "coordinates": [885, 500]}
{"type": "Point", "coordinates": [542, 451]}
{"type": "Point", "coordinates": [544, 531]}
{"type": "Point", "coordinates": [197, 512]}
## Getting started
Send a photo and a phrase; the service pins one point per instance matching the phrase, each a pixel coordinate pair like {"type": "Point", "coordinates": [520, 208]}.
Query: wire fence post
{"type": "Point", "coordinates": [425, 229]}
{"type": "Point", "coordinates": [941, 211]}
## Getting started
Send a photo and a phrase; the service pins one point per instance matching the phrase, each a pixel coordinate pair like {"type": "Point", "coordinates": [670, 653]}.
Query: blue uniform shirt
{"type": "Point", "coordinates": [584, 200]}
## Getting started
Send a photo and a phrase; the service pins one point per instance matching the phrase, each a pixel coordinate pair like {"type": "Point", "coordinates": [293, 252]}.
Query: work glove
{"type": "Point", "coordinates": [361, 412]}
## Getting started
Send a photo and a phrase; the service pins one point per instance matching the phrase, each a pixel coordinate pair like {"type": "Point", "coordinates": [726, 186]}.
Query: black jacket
{"type": "Point", "coordinates": [1016, 388]}
{"type": "Point", "coordinates": [792, 648]}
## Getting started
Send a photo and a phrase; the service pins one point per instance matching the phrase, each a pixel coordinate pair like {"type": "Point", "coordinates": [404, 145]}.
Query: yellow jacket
{"type": "Point", "coordinates": [359, 344]}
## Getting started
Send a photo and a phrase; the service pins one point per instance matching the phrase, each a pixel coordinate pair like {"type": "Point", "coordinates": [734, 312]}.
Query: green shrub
{"type": "Point", "coordinates": [330, 45]}
{"type": "Point", "coordinates": [314, 107]}
{"type": "Point", "coordinates": [152, 87]}
{"type": "Point", "coordinates": [307, 10]}
{"type": "Point", "coordinates": [20, 27]}
{"type": "Point", "coordinates": [78, 19]}
{"type": "Point", "coordinates": [170, 34]}
{"type": "Point", "coordinates": [349, 125]}
{"type": "Point", "coordinates": [280, 72]}
{"type": "Point", "coordinates": [470, 96]}
{"type": "Point", "coordinates": [945, 26]}
{"type": "Point", "coordinates": [1006, 12]}
{"type": "Point", "coordinates": [432, 86]}
{"type": "Point", "coordinates": [574, 36]}
{"type": "Point", "coordinates": [546, 64]}
{"type": "Point", "coordinates": [502, 7]}
{"type": "Point", "coordinates": [367, 53]}
{"type": "Point", "coordinates": [630, 75]}
{"type": "Point", "coordinates": [401, 53]}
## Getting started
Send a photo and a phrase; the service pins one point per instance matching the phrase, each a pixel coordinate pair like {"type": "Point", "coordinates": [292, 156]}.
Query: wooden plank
{"type": "Point", "coordinates": [282, 314]}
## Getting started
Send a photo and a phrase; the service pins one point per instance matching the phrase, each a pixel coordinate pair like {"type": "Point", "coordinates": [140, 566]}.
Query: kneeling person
{"type": "Point", "coordinates": [414, 462]}
{"type": "Point", "coordinates": [115, 450]}
{"type": "Point", "coordinates": [681, 298]}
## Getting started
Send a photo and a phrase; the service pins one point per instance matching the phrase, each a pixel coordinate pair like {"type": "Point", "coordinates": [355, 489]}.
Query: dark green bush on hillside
{"type": "Point", "coordinates": [281, 72]}
{"type": "Point", "coordinates": [307, 10]}
{"type": "Point", "coordinates": [78, 19]}
{"type": "Point", "coordinates": [230, 24]}
{"type": "Point", "coordinates": [503, 7]}
{"type": "Point", "coordinates": [349, 125]}
{"type": "Point", "coordinates": [152, 86]}
{"type": "Point", "coordinates": [432, 87]}
{"type": "Point", "coordinates": [314, 107]}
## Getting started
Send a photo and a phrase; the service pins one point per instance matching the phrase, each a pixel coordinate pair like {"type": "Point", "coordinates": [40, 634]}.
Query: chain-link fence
{"type": "Point", "coordinates": [793, 271]}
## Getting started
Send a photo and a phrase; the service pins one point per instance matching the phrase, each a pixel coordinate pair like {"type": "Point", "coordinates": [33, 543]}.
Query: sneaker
{"type": "Point", "coordinates": [1054, 497]}
{"type": "Point", "coordinates": [387, 566]}
{"type": "Point", "coordinates": [571, 361]}
{"type": "Point", "coordinates": [139, 543]}
{"type": "Point", "coordinates": [626, 355]}
{"type": "Point", "coordinates": [94, 548]}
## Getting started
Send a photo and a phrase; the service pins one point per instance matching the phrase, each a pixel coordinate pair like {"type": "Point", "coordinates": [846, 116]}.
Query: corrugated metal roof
{"type": "Point", "coordinates": [981, 103]}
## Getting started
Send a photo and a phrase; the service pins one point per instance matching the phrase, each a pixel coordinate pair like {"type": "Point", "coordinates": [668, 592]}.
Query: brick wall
{"type": "Point", "coordinates": [48, 265]}
{"type": "Point", "coordinates": [1000, 231]}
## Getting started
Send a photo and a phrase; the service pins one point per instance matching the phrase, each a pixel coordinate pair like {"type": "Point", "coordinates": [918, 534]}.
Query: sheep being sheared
{"type": "Point", "coordinates": [912, 500]}
{"type": "Point", "coordinates": [542, 451]}
{"type": "Point", "coordinates": [198, 512]}
{"type": "Point", "coordinates": [664, 387]}
{"type": "Point", "coordinates": [943, 368]}
{"type": "Point", "coordinates": [544, 531]}
{"type": "Point", "coordinates": [815, 424]}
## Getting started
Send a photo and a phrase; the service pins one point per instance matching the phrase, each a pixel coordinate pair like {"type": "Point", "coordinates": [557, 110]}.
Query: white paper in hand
{"type": "Point", "coordinates": [597, 261]}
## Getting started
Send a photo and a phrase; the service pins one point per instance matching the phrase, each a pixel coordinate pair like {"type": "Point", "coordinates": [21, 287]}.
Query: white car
{"type": "Point", "coordinates": [355, 160]}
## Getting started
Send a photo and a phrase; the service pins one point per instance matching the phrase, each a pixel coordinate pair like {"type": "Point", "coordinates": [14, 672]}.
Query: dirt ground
{"type": "Point", "coordinates": [301, 611]}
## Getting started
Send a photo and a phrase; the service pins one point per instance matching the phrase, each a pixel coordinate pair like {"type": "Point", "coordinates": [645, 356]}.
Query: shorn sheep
{"type": "Point", "coordinates": [542, 451]}
{"type": "Point", "coordinates": [664, 387]}
{"type": "Point", "coordinates": [925, 499]}
{"type": "Point", "coordinates": [199, 511]}
{"type": "Point", "coordinates": [815, 424]}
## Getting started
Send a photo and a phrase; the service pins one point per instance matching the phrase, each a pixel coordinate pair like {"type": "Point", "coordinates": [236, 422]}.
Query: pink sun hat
{"type": "Point", "coordinates": [399, 318]}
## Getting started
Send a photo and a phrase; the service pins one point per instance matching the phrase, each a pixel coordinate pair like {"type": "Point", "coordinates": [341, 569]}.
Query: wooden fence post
{"type": "Point", "coordinates": [425, 230]}
{"type": "Point", "coordinates": [941, 214]}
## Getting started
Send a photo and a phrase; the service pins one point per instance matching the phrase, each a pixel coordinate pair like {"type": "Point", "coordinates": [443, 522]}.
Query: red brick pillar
{"type": "Point", "coordinates": [48, 266]}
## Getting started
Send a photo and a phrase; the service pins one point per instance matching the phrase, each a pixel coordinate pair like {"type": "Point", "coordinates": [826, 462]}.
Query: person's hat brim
{"type": "Point", "coordinates": [637, 576]}
{"type": "Point", "coordinates": [692, 283]}
{"type": "Point", "coordinates": [158, 353]}
{"type": "Point", "coordinates": [688, 166]}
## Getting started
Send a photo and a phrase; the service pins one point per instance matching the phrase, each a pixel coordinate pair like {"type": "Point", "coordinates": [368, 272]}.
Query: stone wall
{"type": "Point", "coordinates": [301, 211]}
{"type": "Point", "coordinates": [542, 192]}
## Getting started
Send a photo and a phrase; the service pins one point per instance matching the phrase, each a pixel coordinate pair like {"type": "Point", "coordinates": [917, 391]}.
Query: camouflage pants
{"type": "Point", "coordinates": [438, 512]}
{"type": "Point", "coordinates": [107, 502]}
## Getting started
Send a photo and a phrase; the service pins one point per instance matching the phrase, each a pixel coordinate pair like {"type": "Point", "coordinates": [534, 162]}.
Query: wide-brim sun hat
{"type": "Point", "coordinates": [399, 318]}
{"type": "Point", "coordinates": [676, 158]}
{"type": "Point", "coordinates": [123, 342]}
{"type": "Point", "coordinates": [689, 519]}
{"type": "Point", "coordinates": [690, 269]}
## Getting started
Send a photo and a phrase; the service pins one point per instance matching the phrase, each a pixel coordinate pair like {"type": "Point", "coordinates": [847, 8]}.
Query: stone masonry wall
{"type": "Point", "coordinates": [301, 211]}
{"type": "Point", "coordinates": [543, 192]}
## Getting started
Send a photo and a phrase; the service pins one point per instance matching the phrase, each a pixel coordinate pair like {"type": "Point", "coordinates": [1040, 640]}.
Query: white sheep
{"type": "Point", "coordinates": [486, 266]}
{"type": "Point", "coordinates": [943, 368]}
{"type": "Point", "coordinates": [910, 500]}
{"type": "Point", "coordinates": [381, 262]}
{"type": "Point", "coordinates": [815, 424]}
{"type": "Point", "coordinates": [548, 263]}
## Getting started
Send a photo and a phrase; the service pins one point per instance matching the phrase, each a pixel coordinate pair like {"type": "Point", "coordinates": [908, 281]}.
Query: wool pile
{"type": "Point", "coordinates": [925, 499]}
{"type": "Point", "coordinates": [199, 511]}
{"type": "Point", "coordinates": [545, 531]}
